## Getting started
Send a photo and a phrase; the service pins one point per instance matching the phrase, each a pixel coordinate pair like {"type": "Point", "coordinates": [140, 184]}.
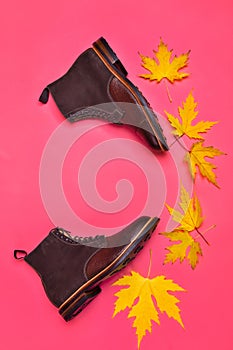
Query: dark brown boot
{"type": "Point", "coordinates": [98, 77]}
{"type": "Point", "coordinates": [72, 268]}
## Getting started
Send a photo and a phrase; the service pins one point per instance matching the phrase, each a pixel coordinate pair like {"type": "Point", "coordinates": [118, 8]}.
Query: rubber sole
{"type": "Point", "coordinates": [87, 292]}
{"type": "Point", "coordinates": [111, 61]}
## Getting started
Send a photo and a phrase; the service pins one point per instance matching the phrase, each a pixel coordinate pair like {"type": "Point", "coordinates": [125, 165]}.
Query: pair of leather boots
{"type": "Point", "coordinates": [72, 268]}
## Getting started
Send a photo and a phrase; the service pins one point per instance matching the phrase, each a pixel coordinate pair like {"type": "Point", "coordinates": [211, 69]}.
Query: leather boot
{"type": "Point", "coordinates": [72, 268]}
{"type": "Point", "coordinates": [98, 77]}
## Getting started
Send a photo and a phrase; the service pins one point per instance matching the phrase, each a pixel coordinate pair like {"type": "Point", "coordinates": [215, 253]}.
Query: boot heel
{"type": "Point", "coordinates": [104, 49]}
{"type": "Point", "coordinates": [75, 306]}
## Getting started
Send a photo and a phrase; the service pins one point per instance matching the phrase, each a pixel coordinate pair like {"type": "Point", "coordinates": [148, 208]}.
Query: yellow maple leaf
{"type": "Point", "coordinates": [196, 158]}
{"type": "Point", "coordinates": [138, 298]}
{"type": "Point", "coordinates": [179, 251]}
{"type": "Point", "coordinates": [163, 66]}
{"type": "Point", "coordinates": [190, 218]}
{"type": "Point", "coordinates": [187, 114]}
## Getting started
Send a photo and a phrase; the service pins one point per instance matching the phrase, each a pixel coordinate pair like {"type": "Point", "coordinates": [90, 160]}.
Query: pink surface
{"type": "Point", "coordinates": [39, 42]}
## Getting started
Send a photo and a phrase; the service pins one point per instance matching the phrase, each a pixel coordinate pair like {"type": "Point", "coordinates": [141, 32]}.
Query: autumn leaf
{"type": "Point", "coordinates": [162, 66]}
{"type": "Point", "coordinates": [138, 299]}
{"type": "Point", "coordinates": [187, 248]}
{"type": "Point", "coordinates": [196, 158]}
{"type": "Point", "coordinates": [187, 114]}
{"type": "Point", "coordinates": [190, 219]}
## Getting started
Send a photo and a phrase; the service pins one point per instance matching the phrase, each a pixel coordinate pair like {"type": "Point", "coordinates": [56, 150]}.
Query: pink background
{"type": "Point", "coordinates": [39, 42]}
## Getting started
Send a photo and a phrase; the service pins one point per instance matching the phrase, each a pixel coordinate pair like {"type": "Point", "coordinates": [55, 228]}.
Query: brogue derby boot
{"type": "Point", "coordinates": [98, 77]}
{"type": "Point", "coordinates": [72, 268]}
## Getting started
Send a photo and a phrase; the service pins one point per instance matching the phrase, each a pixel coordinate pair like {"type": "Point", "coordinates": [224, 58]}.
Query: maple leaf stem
{"type": "Point", "coordinates": [150, 263]}
{"type": "Point", "coordinates": [202, 236]}
{"type": "Point", "coordinates": [176, 139]}
{"type": "Point", "coordinates": [209, 228]}
{"type": "Point", "coordinates": [168, 93]}
{"type": "Point", "coordinates": [186, 149]}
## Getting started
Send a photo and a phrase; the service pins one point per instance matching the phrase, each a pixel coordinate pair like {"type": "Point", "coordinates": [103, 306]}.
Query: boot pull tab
{"type": "Point", "coordinates": [20, 254]}
{"type": "Point", "coordinates": [44, 96]}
